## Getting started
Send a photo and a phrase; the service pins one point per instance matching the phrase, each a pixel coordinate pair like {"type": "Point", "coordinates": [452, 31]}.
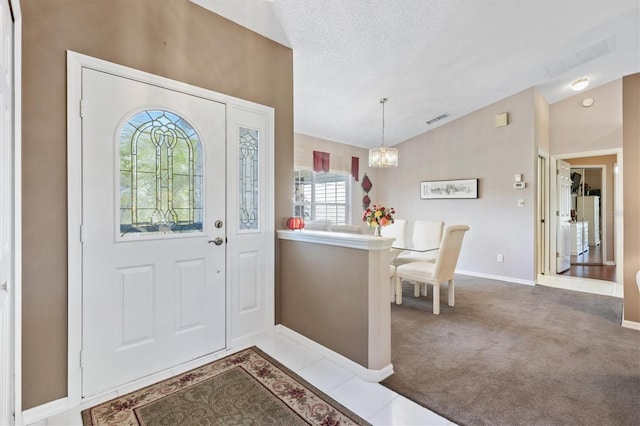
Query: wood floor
{"type": "Point", "coordinates": [589, 265]}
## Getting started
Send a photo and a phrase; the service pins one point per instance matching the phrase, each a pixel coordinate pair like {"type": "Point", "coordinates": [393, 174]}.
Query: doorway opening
{"type": "Point", "coordinates": [592, 201]}
{"type": "Point", "coordinates": [594, 197]}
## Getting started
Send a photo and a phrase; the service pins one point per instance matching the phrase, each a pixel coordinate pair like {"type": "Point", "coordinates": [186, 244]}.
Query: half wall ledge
{"type": "Point", "coordinates": [334, 290]}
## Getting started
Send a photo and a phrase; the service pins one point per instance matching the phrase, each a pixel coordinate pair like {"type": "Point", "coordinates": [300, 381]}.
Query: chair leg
{"type": "Point", "coordinates": [424, 289]}
{"type": "Point", "coordinates": [451, 293]}
{"type": "Point", "coordinates": [436, 299]}
{"type": "Point", "coordinates": [416, 288]}
{"type": "Point", "coordinates": [398, 290]}
{"type": "Point", "coordinates": [392, 289]}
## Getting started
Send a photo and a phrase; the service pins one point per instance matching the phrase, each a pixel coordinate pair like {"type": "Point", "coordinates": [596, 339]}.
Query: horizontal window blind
{"type": "Point", "coordinates": [322, 196]}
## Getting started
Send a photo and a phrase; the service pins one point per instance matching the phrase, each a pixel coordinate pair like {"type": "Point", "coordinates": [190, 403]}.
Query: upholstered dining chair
{"type": "Point", "coordinates": [392, 283]}
{"type": "Point", "coordinates": [397, 230]}
{"type": "Point", "coordinates": [423, 273]}
{"type": "Point", "coordinates": [426, 234]}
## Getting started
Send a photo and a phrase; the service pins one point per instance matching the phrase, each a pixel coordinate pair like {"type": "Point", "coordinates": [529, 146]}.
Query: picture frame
{"type": "Point", "coordinates": [446, 189]}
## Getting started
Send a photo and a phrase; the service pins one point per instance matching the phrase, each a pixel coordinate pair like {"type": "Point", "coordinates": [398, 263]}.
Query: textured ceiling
{"type": "Point", "coordinates": [433, 56]}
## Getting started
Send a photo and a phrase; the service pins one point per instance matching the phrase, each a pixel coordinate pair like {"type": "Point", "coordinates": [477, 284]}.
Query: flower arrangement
{"type": "Point", "coordinates": [378, 216]}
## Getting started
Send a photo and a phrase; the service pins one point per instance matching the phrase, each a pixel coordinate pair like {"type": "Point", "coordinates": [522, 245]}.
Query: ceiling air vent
{"type": "Point", "coordinates": [438, 118]}
{"type": "Point", "coordinates": [580, 57]}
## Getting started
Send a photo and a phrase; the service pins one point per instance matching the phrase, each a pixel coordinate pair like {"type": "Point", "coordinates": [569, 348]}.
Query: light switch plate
{"type": "Point", "coordinates": [518, 177]}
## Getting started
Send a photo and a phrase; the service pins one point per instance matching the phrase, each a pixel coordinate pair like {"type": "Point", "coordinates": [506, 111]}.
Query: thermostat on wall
{"type": "Point", "coordinates": [519, 185]}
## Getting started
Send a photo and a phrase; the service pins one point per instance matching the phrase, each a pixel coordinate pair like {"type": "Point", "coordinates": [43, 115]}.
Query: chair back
{"type": "Point", "coordinates": [449, 252]}
{"type": "Point", "coordinates": [397, 230]}
{"type": "Point", "coordinates": [427, 233]}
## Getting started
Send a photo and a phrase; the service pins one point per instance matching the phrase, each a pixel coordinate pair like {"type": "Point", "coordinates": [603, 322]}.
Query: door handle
{"type": "Point", "coordinates": [217, 241]}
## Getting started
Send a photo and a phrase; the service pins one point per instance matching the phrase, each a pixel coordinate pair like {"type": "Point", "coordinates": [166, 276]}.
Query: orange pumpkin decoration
{"type": "Point", "coordinates": [295, 222]}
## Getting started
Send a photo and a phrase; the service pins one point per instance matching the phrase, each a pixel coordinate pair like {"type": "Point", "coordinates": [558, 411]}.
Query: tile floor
{"type": "Point", "coordinates": [586, 285]}
{"type": "Point", "coordinates": [372, 401]}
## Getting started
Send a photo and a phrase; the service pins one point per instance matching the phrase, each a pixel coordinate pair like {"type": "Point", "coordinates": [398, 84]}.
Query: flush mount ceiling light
{"type": "Point", "coordinates": [579, 84]}
{"type": "Point", "coordinates": [383, 156]}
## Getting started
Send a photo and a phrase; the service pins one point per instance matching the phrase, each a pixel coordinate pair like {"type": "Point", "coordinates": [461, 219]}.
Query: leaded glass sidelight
{"type": "Point", "coordinates": [249, 196]}
{"type": "Point", "coordinates": [160, 175]}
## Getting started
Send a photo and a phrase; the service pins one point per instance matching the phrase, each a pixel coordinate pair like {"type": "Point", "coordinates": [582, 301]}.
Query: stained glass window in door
{"type": "Point", "coordinates": [160, 175]}
{"type": "Point", "coordinates": [248, 179]}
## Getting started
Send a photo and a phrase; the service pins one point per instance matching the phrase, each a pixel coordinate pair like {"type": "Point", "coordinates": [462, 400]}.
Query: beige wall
{"type": "Point", "coordinates": [631, 188]}
{"type": "Point", "coordinates": [175, 39]}
{"type": "Point", "coordinates": [340, 161]}
{"type": "Point", "coordinates": [574, 128]}
{"type": "Point", "coordinates": [317, 301]}
{"type": "Point", "coordinates": [541, 123]}
{"type": "Point", "coordinates": [607, 209]}
{"type": "Point", "coordinates": [472, 147]}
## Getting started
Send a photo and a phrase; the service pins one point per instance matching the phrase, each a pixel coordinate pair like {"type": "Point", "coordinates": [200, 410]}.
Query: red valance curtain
{"type": "Point", "coordinates": [355, 167]}
{"type": "Point", "coordinates": [320, 161]}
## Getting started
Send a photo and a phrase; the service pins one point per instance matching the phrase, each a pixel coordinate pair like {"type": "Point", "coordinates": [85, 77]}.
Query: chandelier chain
{"type": "Point", "coordinates": [383, 101]}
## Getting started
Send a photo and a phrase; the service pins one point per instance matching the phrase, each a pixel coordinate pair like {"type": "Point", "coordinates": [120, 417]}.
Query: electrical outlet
{"type": "Point", "coordinates": [500, 258]}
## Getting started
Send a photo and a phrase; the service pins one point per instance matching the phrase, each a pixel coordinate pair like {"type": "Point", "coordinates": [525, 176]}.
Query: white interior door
{"type": "Point", "coordinates": [6, 213]}
{"type": "Point", "coordinates": [153, 232]}
{"type": "Point", "coordinates": [563, 236]}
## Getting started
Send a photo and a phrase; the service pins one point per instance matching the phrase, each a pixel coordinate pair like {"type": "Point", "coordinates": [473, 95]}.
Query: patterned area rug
{"type": "Point", "coordinates": [248, 387]}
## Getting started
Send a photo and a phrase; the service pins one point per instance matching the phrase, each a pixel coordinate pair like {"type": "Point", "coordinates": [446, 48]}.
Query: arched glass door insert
{"type": "Point", "coordinates": [161, 175]}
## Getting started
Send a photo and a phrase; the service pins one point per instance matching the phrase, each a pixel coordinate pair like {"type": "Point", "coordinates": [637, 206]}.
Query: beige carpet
{"type": "Point", "coordinates": [509, 354]}
{"type": "Point", "coordinates": [246, 388]}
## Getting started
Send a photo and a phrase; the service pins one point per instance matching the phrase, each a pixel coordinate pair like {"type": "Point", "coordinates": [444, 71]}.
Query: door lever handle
{"type": "Point", "coordinates": [217, 241]}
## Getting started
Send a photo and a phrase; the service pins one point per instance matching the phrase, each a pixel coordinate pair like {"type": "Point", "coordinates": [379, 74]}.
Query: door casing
{"type": "Point", "coordinates": [9, 170]}
{"type": "Point", "coordinates": [237, 111]}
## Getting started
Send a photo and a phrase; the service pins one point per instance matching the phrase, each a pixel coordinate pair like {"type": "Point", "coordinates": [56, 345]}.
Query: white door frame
{"type": "Point", "coordinates": [617, 209]}
{"type": "Point", "coordinates": [15, 345]}
{"type": "Point", "coordinates": [542, 209]}
{"type": "Point", "coordinates": [75, 63]}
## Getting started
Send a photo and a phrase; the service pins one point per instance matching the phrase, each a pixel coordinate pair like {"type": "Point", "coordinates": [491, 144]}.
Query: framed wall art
{"type": "Point", "coordinates": [458, 188]}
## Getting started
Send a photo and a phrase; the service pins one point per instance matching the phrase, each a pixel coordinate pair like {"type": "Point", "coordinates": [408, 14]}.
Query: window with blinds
{"type": "Point", "coordinates": [322, 196]}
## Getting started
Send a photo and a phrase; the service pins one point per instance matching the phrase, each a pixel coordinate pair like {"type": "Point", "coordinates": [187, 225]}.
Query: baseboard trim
{"type": "Point", "coordinates": [366, 374]}
{"type": "Point", "coordinates": [496, 277]}
{"type": "Point", "coordinates": [41, 412]}
{"type": "Point", "coordinates": [631, 324]}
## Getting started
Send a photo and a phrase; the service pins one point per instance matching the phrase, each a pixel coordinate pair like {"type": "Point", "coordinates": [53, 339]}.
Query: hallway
{"type": "Point", "coordinates": [589, 265]}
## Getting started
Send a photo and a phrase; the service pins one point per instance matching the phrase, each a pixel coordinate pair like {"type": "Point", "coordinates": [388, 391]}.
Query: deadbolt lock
{"type": "Point", "coordinates": [218, 224]}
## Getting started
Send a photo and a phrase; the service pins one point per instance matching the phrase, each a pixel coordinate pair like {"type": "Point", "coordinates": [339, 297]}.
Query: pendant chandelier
{"type": "Point", "coordinates": [383, 156]}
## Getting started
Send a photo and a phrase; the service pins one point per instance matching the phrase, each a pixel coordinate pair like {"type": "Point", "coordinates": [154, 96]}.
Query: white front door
{"type": "Point", "coordinates": [563, 236]}
{"type": "Point", "coordinates": [153, 231]}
